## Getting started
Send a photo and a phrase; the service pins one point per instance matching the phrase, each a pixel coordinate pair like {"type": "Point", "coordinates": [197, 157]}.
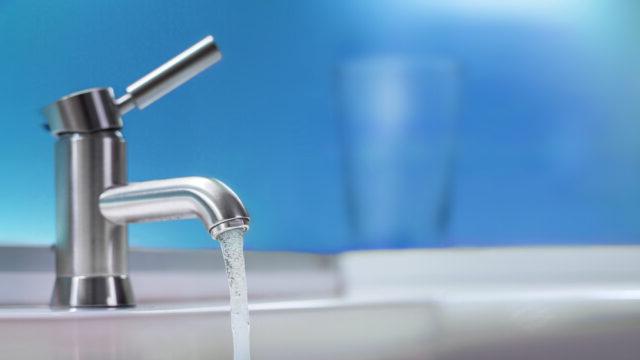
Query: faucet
{"type": "Point", "coordinates": [94, 201]}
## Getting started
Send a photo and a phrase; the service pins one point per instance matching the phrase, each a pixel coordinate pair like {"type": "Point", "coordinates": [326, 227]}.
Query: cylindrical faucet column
{"type": "Point", "coordinates": [91, 252]}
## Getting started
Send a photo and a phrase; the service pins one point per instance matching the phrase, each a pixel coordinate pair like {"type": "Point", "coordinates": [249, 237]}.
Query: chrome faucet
{"type": "Point", "coordinates": [94, 202]}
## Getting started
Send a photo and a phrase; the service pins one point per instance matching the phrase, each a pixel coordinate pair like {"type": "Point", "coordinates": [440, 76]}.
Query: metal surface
{"type": "Point", "coordinates": [170, 75]}
{"type": "Point", "coordinates": [210, 200]}
{"type": "Point", "coordinates": [84, 112]}
{"type": "Point", "coordinates": [92, 291]}
{"type": "Point", "coordinates": [87, 245]}
{"type": "Point", "coordinates": [91, 250]}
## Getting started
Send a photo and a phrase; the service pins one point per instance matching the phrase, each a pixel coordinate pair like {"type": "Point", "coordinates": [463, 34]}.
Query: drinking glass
{"type": "Point", "coordinates": [398, 117]}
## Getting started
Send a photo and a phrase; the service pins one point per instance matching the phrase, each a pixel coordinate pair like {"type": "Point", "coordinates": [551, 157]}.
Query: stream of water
{"type": "Point", "coordinates": [231, 243]}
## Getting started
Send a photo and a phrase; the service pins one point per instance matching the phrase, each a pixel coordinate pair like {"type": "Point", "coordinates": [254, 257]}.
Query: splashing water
{"type": "Point", "coordinates": [231, 243]}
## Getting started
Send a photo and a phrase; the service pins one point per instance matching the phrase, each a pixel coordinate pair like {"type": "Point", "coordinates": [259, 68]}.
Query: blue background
{"type": "Point", "coordinates": [549, 141]}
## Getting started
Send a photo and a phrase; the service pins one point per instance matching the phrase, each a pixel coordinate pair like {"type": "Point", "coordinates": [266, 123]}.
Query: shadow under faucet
{"type": "Point", "coordinates": [94, 202]}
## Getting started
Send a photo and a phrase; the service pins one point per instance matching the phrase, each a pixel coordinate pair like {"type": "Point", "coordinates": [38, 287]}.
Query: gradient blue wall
{"type": "Point", "coordinates": [549, 137]}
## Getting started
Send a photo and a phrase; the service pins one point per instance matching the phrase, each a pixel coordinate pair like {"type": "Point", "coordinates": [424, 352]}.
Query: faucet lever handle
{"type": "Point", "coordinates": [170, 75]}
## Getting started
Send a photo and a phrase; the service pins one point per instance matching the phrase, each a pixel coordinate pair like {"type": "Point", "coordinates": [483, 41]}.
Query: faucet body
{"type": "Point", "coordinates": [94, 202]}
{"type": "Point", "coordinates": [91, 252]}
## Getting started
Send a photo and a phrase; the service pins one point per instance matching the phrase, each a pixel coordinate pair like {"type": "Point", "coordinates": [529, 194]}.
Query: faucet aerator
{"type": "Point", "coordinates": [231, 224]}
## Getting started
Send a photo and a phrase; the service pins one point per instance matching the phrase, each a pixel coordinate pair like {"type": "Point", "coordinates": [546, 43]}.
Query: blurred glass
{"type": "Point", "coordinates": [398, 118]}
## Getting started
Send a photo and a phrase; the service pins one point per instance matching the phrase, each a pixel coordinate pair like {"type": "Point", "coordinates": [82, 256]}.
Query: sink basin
{"type": "Point", "coordinates": [304, 330]}
{"type": "Point", "coordinates": [545, 303]}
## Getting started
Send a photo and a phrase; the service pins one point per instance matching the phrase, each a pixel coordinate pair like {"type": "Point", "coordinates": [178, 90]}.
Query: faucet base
{"type": "Point", "coordinates": [92, 291]}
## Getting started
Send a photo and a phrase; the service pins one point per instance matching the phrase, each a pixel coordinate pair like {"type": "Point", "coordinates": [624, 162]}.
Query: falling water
{"type": "Point", "coordinates": [232, 244]}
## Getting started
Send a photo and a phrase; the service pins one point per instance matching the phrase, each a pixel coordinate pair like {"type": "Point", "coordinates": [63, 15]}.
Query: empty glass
{"type": "Point", "coordinates": [398, 118]}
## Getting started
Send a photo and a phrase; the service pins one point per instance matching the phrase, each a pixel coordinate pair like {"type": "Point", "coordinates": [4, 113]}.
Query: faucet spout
{"type": "Point", "coordinates": [210, 200]}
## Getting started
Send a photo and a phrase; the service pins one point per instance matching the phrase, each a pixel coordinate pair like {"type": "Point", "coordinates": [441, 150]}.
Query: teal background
{"type": "Point", "coordinates": [549, 141]}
